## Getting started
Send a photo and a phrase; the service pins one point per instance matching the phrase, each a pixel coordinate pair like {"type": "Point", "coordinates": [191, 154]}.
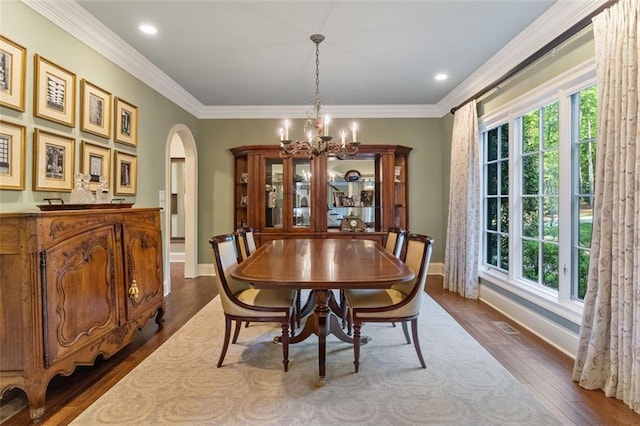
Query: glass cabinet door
{"type": "Point", "coordinates": [274, 193]}
{"type": "Point", "coordinates": [353, 189]}
{"type": "Point", "coordinates": [301, 195]}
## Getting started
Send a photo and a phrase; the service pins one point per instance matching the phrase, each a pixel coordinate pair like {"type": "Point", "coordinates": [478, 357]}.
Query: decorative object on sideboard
{"type": "Point", "coordinates": [316, 140]}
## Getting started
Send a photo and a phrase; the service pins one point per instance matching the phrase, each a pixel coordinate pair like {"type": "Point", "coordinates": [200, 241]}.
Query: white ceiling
{"type": "Point", "coordinates": [379, 58]}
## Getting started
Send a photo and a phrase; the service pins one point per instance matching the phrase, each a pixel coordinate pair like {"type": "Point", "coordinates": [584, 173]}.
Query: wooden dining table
{"type": "Point", "coordinates": [322, 265]}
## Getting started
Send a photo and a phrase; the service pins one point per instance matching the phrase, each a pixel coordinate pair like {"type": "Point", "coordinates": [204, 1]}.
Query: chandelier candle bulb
{"type": "Point", "coordinates": [344, 135]}
{"type": "Point", "coordinates": [326, 125]}
{"type": "Point", "coordinates": [286, 130]}
{"type": "Point", "coordinates": [354, 127]}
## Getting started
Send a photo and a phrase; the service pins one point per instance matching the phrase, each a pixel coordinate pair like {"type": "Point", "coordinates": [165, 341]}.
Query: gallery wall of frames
{"type": "Point", "coordinates": [108, 153]}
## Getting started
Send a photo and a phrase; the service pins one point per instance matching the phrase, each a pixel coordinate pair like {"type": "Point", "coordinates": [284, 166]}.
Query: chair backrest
{"type": "Point", "coordinates": [418, 256]}
{"type": "Point", "coordinates": [395, 241]}
{"type": "Point", "coordinates": [246, 242]}
{"type": "Point", "coordinates": [250, 240]}
{"type": "Point", "coordinates": [225, 258]}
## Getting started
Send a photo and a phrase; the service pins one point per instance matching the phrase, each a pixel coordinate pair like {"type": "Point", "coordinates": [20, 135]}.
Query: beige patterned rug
{"type": "Point", "coordinates": [180, 384]}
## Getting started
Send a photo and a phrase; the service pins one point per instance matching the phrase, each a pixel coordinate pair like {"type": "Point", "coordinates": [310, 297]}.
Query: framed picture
{"type": "Point", "coordinates": [53, 162]}
{"type": "Point", "coordinates": [95, 117]}
{"type": "Point", "coordinates": [366, 198]}
{"type": "Point", "coordinates": [338, 197]}
{"type": "Point", "coordinates": [12, 155]}
{"type": "Point", "coordinates": [243, 200]}
{"type": "Point", "coordinates": [126, 123]}
{"type": "Point", "coordinates": [125, 173]}
{"type": "Point", "coordinates": [13, 65]}
{"type": "Point", "coordinates": [55, 92]}
{"type": "Point", "coordinates": [95, 161]}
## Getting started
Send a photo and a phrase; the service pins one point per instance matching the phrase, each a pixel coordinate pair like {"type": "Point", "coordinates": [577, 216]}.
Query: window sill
{"type": "Point", "coordinates": [571, 311]}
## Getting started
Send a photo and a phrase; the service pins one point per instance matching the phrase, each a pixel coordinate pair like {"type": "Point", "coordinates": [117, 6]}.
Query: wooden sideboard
{"type": "Point", "coordinates": [73, 285]}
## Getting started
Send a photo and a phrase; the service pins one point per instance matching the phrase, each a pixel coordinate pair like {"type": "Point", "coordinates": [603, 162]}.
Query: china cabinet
{"type": "Point", "coordinates": [298, 197]}
{"type": "Point", "coordinates": [75, 285]}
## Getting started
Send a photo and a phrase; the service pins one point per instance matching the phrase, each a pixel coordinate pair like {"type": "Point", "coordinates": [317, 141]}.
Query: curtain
{"type": "Point", "coordinates": [608, 356]}
{"type": "Point", "coordinates": [463, 227]}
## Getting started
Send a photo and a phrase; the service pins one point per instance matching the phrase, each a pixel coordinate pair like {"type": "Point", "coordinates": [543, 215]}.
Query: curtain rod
{"type": "Point", "coordinates": [574, 29]}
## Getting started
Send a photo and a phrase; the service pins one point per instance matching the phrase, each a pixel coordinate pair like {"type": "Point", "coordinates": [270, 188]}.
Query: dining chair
{"type": "Point", "coordinates": [395, 241]}
{"type": "Point", "coordinates": [242, 302]}
{"type": "Point", "coordinates": [246, 241]}
{"type": "Point", "coordinates": [400, 303]}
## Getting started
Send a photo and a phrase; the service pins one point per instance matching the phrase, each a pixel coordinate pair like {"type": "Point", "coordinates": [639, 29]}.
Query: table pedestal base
{"type": "Point", "coordinates": [323, 321]}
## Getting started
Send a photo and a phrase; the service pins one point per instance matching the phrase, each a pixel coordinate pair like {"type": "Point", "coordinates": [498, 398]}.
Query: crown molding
{"type": "Point", "coordinates": [556, 20]}
{"type": "Point", "coordinates": [72, 18]}
{"type": "Point", "coordinates": [75, 20]}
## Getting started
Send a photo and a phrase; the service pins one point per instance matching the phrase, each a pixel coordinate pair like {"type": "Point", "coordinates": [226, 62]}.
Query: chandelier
{"type": "Point", "coordinates": [317, 141]}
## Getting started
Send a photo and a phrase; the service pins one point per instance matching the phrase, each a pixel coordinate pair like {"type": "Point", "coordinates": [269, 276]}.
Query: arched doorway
{"type": "Point", "coordinates": [190, 167]}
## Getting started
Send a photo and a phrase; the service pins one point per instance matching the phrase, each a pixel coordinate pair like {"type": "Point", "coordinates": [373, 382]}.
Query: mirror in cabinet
{"type": "Point", "coordinates": [353, 190]}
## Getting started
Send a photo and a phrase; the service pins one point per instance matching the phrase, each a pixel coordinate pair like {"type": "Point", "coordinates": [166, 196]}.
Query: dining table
{"type": "Point", "coordinates": [322, 265]}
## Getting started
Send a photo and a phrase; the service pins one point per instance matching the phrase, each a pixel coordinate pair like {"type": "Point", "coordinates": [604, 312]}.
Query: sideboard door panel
{"type": "Point", "coordinates": [143, 256]}
{"type": "Point", "coordinates": [79, 291]}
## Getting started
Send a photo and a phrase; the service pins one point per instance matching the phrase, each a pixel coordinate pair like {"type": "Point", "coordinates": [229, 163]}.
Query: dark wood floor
{"type": "Point", "coordinates": [545, 371]}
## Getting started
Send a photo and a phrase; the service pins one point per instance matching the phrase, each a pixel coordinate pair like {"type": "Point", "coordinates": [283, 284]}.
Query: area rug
{"type": "Point", "coordinates": [180, 384]}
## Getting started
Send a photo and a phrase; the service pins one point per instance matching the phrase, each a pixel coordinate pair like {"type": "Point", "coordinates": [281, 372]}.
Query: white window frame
{"type": "Point", "coordinates": [560, 89]}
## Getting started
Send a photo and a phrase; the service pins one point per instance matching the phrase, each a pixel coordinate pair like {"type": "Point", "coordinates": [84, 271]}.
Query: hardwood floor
{"type": "Point", "coordinates": [545, 371]}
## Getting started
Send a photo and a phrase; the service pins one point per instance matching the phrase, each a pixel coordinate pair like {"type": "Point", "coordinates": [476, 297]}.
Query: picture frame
{"type": "Point", "coordinates": [55, 92]}
{"type": "Point", "coordinates": [243, 200]}
{"type": "Point", "coordinates": [95, 104]}
{"type": "Point", "coordinates": [13, 74]}
{"type": "Point", "coordinates": [366, 197]}
{"type": "Point", "coordinates": [338, 197]}
{"type": "Point", "coordinates": [13, 150]}
{"type": "Point", "coordinates": [95, 160]}
{"type": "Point", "coordinates": [53, 161]}
{"type": "Point", "coordinates": [125, 122]}
{"type": "Point", "coordinates": [125, 173]}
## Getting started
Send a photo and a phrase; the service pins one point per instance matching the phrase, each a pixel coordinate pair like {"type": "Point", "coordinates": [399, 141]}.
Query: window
{"type": "Point", "coordinates": [496, 195]}
{"type": "Point", "coordinates": [538, 169]}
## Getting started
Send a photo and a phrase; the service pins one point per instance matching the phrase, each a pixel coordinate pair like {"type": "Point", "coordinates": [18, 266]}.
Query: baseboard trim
{"type": "Point", "coordinates": [558, 337]}
{"type": "Point", "coordinates": [177, 257]}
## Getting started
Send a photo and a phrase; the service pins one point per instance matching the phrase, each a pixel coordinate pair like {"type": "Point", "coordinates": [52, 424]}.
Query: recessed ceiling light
{"type": "Point", "coordinates": [441, 76]}
{"type": "Point", "coordinates": [148, 29]}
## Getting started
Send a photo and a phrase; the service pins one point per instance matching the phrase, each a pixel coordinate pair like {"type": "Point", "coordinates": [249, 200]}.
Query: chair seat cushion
{"type": "Point", "coordinates": [373, 298]}
{"type": "Point", "coordinates": [361, 300]}
{"type": "Point", "coordinates": [272, 298]}
{"type": "Point", "coordinates": [279, 299]}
